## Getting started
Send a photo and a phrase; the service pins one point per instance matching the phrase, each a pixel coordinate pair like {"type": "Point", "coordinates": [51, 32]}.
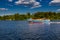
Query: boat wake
{"type": "Point", "coordinates": [55, 22]}
{"type": "Point", "coordinates": [44, 23]}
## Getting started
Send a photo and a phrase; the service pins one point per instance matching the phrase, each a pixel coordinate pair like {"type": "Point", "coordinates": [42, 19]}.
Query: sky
{"type": "Point", "coordinates": [23, 6]}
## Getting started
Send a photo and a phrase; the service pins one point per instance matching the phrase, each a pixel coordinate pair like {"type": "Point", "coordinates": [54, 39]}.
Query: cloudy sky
{"type": "Point", "coordinates": [24, 6]}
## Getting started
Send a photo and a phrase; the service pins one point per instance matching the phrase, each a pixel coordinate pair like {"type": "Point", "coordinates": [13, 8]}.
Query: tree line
{"type": "Point", "coordinates": [37, 15]}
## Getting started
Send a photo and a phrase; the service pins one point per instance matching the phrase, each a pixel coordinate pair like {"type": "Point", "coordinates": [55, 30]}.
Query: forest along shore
{"type": "Point", "coordinates": [37, 15]}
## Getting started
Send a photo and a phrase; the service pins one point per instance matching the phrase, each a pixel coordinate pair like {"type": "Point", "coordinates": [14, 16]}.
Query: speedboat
{"type": "Point", "coordinates": [46, 21]}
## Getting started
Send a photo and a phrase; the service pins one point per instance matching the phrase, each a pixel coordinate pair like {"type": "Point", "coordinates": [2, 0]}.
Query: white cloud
{"type": "Point", "coordinates": [6, 14]}
{"type": "Point", "coordinates": [33, 3]}
{"type": "Point", "coordinates": [35, 6]}
{"type": "Point", "coordinates": [3, 9]}
{"type": "Point", "coordinates": [54, 1]}
{"type": "Point", "coordinates": [58, 10]}
{"type": "Point", "coordinates": [10, 0]}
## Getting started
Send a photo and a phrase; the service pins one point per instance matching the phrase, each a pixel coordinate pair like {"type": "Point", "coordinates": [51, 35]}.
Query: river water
{"type": "Point", "coordinates": [22, 30]}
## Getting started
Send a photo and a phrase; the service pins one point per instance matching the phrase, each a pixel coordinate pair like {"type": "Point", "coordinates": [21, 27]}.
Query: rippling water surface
{"type": "Point", "coordinates": [22, 30]}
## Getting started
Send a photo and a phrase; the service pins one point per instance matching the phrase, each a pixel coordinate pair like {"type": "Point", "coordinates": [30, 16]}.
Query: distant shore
{"type": "Point", "coordinates": [37, 15]}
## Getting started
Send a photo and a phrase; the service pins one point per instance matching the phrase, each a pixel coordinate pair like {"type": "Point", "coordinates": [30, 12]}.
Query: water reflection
{"type": "Point", "coordinates": [42, 32]}
{"type": "Point", "coordinates": [39, 31]}
{"type": "Point", "coordinates": [22, 30]}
